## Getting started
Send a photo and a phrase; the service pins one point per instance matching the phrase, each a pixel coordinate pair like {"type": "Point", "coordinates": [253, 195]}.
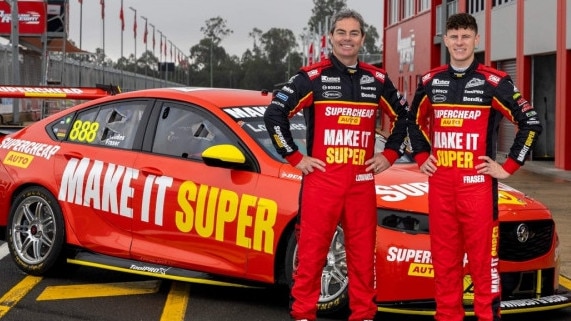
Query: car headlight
{"type": "Point", "coordinates": [402, 221]}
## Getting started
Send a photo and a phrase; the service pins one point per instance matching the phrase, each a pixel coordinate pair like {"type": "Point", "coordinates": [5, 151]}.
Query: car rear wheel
{"type": "Point", "coordinates": [334, 297]}
{"type": "Point", "coordinates": [36, 231]}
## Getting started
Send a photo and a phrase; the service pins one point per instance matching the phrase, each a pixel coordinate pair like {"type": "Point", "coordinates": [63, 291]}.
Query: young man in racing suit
{"type": "Point", "coordinates": [465, 101]}
{"type": "Point", "coordinates": [340, 98]}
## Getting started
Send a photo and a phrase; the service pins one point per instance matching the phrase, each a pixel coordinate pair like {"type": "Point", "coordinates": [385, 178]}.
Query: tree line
{"type": "Point", "coordinates": [274, 57]}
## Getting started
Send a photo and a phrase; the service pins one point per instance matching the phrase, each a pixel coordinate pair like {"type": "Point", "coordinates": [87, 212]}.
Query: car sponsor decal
{"type": "Point", "coordinates": [22, 152]}
{"type": "Point", "coordinates": [201, 209]}
{"type": "Point", "coordinates": [420, 261]}
{"type": "Point", "coordinates": [83, 131]}
{"type": "Point", "coordinates": [400, 192]}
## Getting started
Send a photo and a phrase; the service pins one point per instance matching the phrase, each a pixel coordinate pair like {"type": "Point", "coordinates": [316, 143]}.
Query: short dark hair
{"type": "Point", "coordinates": [462, 21]}
{"type": "Point", "coordinates": [347, 13]}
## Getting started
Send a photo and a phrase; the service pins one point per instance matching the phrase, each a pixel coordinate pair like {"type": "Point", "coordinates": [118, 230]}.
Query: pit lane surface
{"type": "Point", "coordinates": [83, 293]}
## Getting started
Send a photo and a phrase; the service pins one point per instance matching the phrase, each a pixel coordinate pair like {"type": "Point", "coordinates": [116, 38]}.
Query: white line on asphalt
{"type": "Point", "coordinates": [3, 250]}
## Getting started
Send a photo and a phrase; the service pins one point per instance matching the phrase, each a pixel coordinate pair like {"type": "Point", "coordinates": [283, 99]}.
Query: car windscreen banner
{"type": "Point", "coordinates": [31, 16]}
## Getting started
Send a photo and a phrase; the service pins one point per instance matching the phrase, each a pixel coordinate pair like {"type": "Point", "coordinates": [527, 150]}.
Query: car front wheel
{"type": "Point", "coordinates": [334, 297]}
{"type": "Point", "coordinates": [36, 231]}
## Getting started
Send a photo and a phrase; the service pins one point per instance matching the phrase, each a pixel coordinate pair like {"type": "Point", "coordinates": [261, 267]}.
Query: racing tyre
{"type": "Point", "coordinates": [334, 297]}
{"type": "Point", "coordinates": [35, 231]}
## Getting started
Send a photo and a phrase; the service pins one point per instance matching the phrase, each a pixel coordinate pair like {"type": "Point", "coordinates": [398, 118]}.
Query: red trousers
{"type": "Point", "coordinates": [326, 201]}
{"type": "Point", "coordinates": [463, 220]}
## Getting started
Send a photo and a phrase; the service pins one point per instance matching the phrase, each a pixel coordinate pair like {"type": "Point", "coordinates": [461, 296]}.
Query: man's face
{"type": "Point", "coordinates": [347, 39]}
{"type": "Point", "coordinates": [461, 44]}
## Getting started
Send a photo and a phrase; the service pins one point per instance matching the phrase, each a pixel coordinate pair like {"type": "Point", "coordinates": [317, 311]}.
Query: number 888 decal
{"type": "Point", "coordinates": [84, 131]}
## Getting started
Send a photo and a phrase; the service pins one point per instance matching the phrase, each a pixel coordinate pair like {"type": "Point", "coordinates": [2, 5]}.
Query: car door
{"type": "Point", "coordinates": [194, 216]}
{"type": "Point", "coordinates": [96, 173]}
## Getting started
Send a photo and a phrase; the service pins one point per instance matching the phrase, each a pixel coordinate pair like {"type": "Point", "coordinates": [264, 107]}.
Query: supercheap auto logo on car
{"type": "Point", "coordinates": [23, 152]}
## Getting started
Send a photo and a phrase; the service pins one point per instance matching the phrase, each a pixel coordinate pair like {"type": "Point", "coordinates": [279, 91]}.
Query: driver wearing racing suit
{"type": "Point", "coordinates": [461, 104]}
{"type": "Point", "coordinates": [341, 98]}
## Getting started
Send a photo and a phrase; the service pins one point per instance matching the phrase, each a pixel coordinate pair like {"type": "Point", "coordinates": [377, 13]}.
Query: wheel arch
{"type": "Point", "coordinates": [280, 256]}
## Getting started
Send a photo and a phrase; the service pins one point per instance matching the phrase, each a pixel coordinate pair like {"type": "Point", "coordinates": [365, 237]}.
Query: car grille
{"type": "Point", "coordinates": [521, 241]}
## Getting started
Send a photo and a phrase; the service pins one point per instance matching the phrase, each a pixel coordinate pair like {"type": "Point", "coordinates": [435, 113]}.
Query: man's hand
{"type": "Point", "coordinates": [492, 168]}
{"type": "Point", "coordinates": [377, 164]}
{"type": "Point", "coordinates": [308, 164]}
{"type": "Point", "coordinates": [429, 166]}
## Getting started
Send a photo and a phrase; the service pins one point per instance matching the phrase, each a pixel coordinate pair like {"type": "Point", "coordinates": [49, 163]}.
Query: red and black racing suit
{"type": "Point", "coordinates": [341, 106]}
{"type": "Point", "coordinates": [464, 110]}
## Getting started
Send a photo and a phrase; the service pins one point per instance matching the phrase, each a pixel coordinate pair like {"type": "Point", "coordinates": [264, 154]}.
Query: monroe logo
{"type": "Point", "coordinates": [439, 98]}
{"type": "Point", "coordinates": [330, 79]}
{"type": "Point", "coordinates": [366, 79]}
{"type": "Point", "coordinates": [472, 99]}
{"type": "Point", "coordinates": [332, 94]}
{"type": "Point", "coordinates": [438, 82]}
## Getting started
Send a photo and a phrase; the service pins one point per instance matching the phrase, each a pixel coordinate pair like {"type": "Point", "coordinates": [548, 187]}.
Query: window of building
{"type": "Point", "coordinates": [423, 5]}
{"type": "Point", "coordinates": [408, 8]}
{"type": "Point", "coordinates": [394, 12]}
{"type": "Point", "coordinates": [475, 6]}
{"type": "Point", "coordinates": [500, 2]}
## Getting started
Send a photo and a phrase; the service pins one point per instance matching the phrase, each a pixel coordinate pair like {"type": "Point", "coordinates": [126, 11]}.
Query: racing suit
{"type": "Point", "coordinates": [464, 111]}
{"type": "Point", "coordinates": [340, 106]}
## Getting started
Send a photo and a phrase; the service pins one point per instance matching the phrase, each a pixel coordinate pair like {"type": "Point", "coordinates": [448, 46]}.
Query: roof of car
{"type": "Point", "coordinates": [222, 97]}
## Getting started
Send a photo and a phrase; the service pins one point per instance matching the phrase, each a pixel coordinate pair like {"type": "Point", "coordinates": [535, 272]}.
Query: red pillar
{"type": "Point", "coordinates": [563, 87]}
{"type": "Point", "coordinates": [523, 62]}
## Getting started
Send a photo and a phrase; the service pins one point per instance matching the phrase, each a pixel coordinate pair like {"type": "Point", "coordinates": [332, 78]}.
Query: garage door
{"type": "Point", "coordinates": [507, 130]}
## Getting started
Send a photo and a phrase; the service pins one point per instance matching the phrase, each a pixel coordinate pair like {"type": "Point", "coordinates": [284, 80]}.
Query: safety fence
{"type": "Point", "coordinates": [65, 73]}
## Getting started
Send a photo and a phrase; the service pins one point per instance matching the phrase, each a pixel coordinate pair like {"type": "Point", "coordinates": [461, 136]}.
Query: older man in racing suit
{"type": "Point", "coordinates": [340, 98]}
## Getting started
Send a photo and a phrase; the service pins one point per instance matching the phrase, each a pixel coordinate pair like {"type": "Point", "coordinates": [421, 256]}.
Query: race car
{"type": "Point", "coordinates": [184, 184]}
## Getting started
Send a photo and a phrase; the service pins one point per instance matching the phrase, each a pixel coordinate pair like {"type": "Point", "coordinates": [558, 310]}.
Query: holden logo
{"type": "Point", "coordinates": [522, 233]}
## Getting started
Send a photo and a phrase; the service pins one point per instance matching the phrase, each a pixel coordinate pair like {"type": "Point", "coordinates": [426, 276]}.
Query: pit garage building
{"type": "Point", "coordinates": [529, 39]}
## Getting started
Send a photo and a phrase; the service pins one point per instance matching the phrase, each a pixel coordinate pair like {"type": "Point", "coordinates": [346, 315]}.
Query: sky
{"type": "Point", "coordinates": [180, 22]}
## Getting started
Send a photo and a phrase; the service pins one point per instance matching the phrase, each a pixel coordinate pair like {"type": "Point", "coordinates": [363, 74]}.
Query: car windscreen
{"type": "Point", "coordinates": [251, 119]}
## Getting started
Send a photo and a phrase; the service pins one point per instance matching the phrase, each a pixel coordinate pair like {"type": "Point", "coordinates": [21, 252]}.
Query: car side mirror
{"type": "Point", "coordinates": [223, 155]}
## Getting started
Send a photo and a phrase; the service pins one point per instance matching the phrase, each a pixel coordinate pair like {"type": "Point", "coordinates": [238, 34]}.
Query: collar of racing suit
{"type": "Point", "coordinates": [469, 70]}
{"type": "Point", "coordinates": [341, 67]}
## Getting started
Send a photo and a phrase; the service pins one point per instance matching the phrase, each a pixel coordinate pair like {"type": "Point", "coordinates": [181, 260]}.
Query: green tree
{"type": "Point", "coordinates": [322, 11]}
{"type": "Point", "coordinates": [216, 29]}
{"type": "Point", "coordinates": [277, 43]}
{"type": "Point", "coordinates": [208, 52]}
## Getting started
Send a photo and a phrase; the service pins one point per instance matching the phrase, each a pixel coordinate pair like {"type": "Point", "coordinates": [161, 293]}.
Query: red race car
{"type": "Point", "coordinates": [184, 184]}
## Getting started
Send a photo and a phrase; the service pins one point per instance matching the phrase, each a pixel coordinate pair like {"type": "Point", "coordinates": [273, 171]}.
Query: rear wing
{"type": "Point", "coordinates": [8, 129]}
{"type": "Point", "coordinates": [50, 92]}
{"type": "Point", "coordinates": [35, 108]}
